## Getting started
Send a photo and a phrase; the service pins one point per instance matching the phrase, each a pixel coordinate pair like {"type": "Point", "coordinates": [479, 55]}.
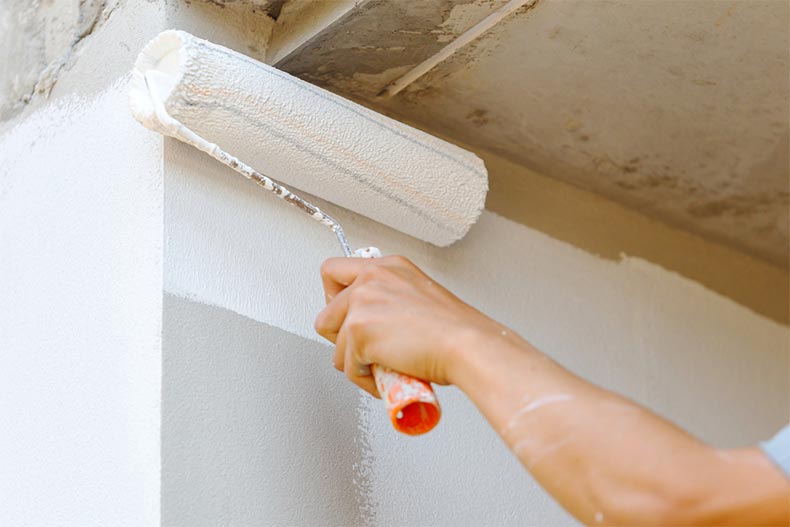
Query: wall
{"type": "Point", "coordinates": [254, 429]}
{"type": "Point", "coordinates": [80, 289]}
{"type": "Point", "coordinates": [80, 284]}
{"type": "Point", "coordinates": [36, 41]}
{"type": "Point", "coordinates": [628, 325]}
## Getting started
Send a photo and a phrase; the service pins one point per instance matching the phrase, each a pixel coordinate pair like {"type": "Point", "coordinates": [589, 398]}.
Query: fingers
{"type": "Point", "coordinates": [329, 324]}
{"type": "Point", "coordinates": [356, 371]}
{"type": "Point", "coordinates": [339, 356]}
{"type": "Point", "coordinates": [331, 318]}
{"type": "Point", "coordinates": [367, 383]}
{"type": "Point", "coordinates": [339, 273]}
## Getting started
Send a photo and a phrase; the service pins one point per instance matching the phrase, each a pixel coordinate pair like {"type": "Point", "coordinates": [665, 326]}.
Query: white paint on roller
{"type": "Point", "coordinates": [307, 137]}
{"type": "Point", "coordinates": [158, 86]}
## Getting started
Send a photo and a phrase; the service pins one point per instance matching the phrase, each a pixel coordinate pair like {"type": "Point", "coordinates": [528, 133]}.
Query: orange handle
{"type": "Point", "coordinates": [411, 403]}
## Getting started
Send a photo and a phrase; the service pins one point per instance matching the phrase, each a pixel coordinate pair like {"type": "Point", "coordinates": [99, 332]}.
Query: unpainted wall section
{"type": "Point", "coordinates": [259, 429]}
{"type": "Point", "coordinates": [254, 429]}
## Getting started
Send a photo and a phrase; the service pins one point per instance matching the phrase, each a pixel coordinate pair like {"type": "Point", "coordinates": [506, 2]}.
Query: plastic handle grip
{"type": "Point", "coordinates": [411, 403]}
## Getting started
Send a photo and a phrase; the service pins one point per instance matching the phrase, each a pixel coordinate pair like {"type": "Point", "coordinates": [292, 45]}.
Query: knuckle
{"type": "Point", "coordinates": [326, 267]}
{"type": "Point", "coordinates": [356, 325]}
{"type": "Point", "coordinates": [320, 324]}
{"type": "Point", "coordinates": [360, 296]}
{"type": "Point", "coordinates": [399, 260]}
{"type": "Point", "coordinates": [368, 273]}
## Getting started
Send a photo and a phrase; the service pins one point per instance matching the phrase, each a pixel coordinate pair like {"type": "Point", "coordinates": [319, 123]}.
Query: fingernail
{"type": "Point", "coordinates": [364, 370]}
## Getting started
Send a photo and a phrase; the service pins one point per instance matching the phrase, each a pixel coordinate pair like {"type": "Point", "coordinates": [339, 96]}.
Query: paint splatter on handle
{"type": "Point", "coordinates": [411, 403]}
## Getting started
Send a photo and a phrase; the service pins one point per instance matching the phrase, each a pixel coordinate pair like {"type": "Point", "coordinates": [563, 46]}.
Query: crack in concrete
{"type": "Point", "coordinates": [49, 76]}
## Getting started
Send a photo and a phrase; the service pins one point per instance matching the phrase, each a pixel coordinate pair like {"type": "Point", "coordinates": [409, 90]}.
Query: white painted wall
{"type": "Point", "coordinates": [712, 366]}
{"type": "Point", "coordinates": [81, 223]}
{"type": "Point", "coordinates": [80, 296]}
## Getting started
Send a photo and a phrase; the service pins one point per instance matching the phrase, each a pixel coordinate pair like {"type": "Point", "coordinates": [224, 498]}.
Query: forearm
{"type": "Point", "coordinates": [604, 458]}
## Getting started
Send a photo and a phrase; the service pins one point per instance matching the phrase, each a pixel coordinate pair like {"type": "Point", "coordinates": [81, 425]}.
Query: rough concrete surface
{"type": "Point", "coordinates": [37, 40]}
{"type": "Point", "coordinates": [676, 109]}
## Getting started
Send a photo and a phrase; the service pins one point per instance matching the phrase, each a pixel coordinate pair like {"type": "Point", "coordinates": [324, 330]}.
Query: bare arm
{"type": "Point", "coordinates": [604, 458]}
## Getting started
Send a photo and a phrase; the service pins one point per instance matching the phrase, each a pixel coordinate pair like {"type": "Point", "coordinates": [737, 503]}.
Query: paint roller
{"type": "Point", "coordinates": [251, 117]}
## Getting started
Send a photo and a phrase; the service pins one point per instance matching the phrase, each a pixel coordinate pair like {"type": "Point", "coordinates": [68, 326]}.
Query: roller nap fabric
{"type": "Point", "coordinates": [313, 140]}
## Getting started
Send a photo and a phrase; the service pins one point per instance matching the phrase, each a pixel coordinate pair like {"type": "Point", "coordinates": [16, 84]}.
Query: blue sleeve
{"type": "Point", "coordinates": [778, 449]}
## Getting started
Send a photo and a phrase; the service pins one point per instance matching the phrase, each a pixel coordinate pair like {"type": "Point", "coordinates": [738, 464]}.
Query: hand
{"type": "Point", "coordinates": [387, 311]}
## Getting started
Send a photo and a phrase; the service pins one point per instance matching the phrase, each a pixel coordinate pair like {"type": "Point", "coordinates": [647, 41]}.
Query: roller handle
{"type": "Point", "coordinates": [411, 403]}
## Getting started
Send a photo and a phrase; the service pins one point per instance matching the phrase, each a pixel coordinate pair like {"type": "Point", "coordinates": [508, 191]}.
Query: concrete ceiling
{"type": "Point", "coordinates": [676, 108]}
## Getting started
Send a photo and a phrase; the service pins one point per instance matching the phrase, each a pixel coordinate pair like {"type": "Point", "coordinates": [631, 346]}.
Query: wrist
{"type": "Point", "coordinates": [498, 370]}
{"type": "Point", "coordinates": [476, 353]}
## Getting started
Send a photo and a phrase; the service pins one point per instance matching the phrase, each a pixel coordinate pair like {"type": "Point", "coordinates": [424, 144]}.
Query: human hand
{"type": "Point", "coordinates": [387, 311]}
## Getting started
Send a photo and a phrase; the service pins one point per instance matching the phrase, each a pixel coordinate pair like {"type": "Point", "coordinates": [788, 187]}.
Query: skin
{"type": "Point", "coordinates": [607, 460]}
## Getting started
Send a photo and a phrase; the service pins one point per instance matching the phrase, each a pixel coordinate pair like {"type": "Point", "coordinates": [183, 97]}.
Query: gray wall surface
{"type": "Point", "coordinates": [255, 428]}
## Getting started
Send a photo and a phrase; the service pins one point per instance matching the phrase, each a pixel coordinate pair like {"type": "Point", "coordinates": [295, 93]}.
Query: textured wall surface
{"type": "Point", "coordinates": [255, 428]}
{"type": "Point", "coordinates": [80, 290]}
{"type": "Point", "coordinates": [38, 39]}
{"type": "Point", "coordinates": [80, 269]}
{"type": "Point", "coordinates": [629, 325]}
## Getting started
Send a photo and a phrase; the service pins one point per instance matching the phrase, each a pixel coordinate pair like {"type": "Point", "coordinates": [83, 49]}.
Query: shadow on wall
{"type": "Point", "coordinates": [254, 430]}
